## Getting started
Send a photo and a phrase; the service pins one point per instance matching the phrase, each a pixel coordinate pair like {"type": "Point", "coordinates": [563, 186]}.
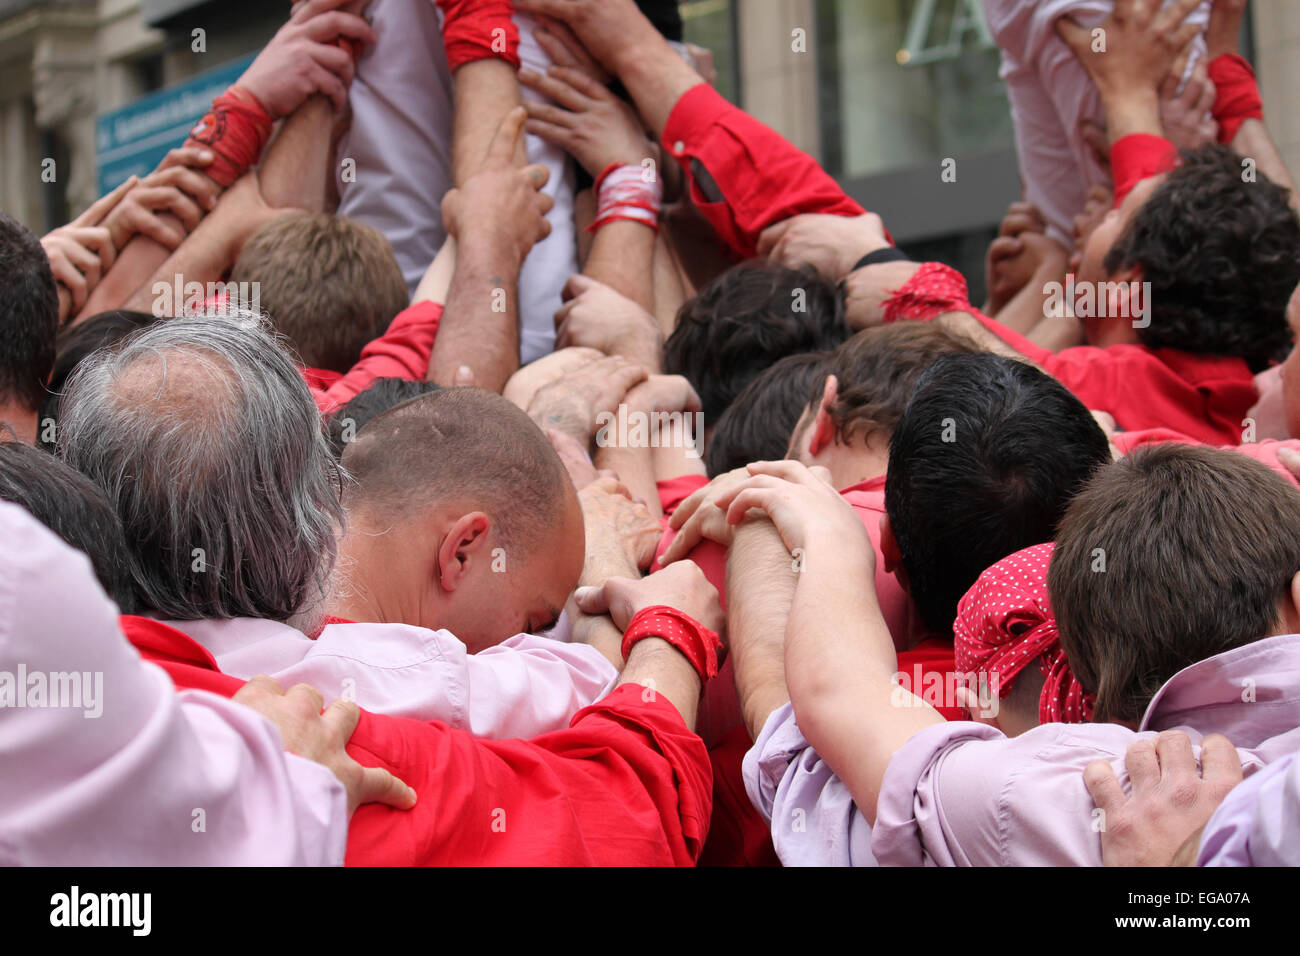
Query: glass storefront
{"type": "Point", "coordinates": [906, 82]}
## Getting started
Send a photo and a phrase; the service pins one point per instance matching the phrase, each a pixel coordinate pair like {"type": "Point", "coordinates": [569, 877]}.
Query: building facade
{"type": "Point", "coordinates": [882, 92]}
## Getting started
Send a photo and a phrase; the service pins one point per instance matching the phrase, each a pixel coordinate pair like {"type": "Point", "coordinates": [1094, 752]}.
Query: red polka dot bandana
{"type": "Point", "coordinates": [1005, 623]}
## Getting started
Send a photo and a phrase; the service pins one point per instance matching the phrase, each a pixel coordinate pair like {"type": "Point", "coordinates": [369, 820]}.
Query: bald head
{"type": "Point", "coordinates": [459, 445]}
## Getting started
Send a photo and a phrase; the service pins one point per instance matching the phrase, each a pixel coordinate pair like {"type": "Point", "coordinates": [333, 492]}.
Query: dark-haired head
{"type": "Point", "coordinates": [379, 397]}
{"type": "Point", "coordinates": [29, 317]}
{"type": "Point", "coordinates": [74, 344]}
{"type": "Point", "coordinates": [71, 506]}
{"type": "Point", "coordinates": [746, 320]}
{"type": "Point", "coordinates": [757, 426]}
{"type": "Point", "coordinates": [1221, 251]}
{"type": "Point", "coordinates": [982, 464]}
{"type": "Point", "coordinates": [1169, 556]}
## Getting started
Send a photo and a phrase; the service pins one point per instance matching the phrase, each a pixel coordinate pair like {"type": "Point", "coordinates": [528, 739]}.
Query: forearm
{"type": "Point", "coordinates": [622, 257]}
{"type": "Point", "coordinates": [662, 670]}
{"type": "Point", "coordinates": [1132, 111]}
{"type": "Point", "coordinates": [1252, 141]}
{"type": "Point", "coordinates": [761, 585]}
{"type": "Point", "coordinates": [205, 256]}
{"type": "Point", "coordinates": [839, 665]}
{"type": "Point", "coordinates": [297, 166]}
{"type": "Point", "coordinates": [633, 464]}
{"type": "Point", "coordinates": [679, 451]}
{"type": "Point", "coordinates": [486, 90]}
{"type": "Point", "coordinates": [480, 326]}
{"type": "Point", "coordinates": [603, 560]}
{"type": "Point", "coordinates": [656, 77]}
{"type": "Point", "coordinates": [132, 273]}
{"type": "Point", "coordinates": [1026, 310]}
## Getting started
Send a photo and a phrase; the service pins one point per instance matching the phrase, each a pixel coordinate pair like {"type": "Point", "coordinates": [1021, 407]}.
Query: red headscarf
{"type": "Point", "coordinates": [1005, 622]}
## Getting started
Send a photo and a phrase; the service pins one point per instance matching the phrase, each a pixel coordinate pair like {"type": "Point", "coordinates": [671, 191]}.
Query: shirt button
{"type": "Point", "coordinates": [679, 147]}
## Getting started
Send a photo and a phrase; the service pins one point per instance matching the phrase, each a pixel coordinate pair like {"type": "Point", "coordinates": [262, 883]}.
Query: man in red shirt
{"type": "Point", "coordinates": [628, 784]}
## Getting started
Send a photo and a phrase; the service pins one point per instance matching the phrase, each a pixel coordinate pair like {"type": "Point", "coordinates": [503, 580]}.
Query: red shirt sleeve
{"type": "Point", "coordinates": [401, 352]}
{"type": "Point", "coordinates": [1139, 156]}
{"type": "Point", "coordinates": [743, 175]}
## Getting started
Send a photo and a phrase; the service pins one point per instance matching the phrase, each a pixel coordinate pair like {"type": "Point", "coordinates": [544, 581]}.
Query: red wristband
{"type": "Point", "coordinates": [1237, 96]}
{"type": "Point", "coordinates": [696, 642]}
{"type": "Point", "coordinates": [479, 30]}
{"type": "Point", "coordinates": [236, 129]}
{"type": "Point", "coordinates": [1139, 156]}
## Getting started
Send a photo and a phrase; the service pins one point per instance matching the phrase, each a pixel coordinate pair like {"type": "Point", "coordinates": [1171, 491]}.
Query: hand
{"type": "Point", "coordinates": [304, 58]}
{"type": "Point", "coordinates": [664, 393]}
{"type": "Point", "coordinates": [81, 252]}
{"type": "Point", "coordinates": [564, 49]}
{"type": "Point", "coordinates": [699, 518]}
{"type": "Point", "coordinates": [683, 586]}
{"type": "Point", "coordinates": [177, 186]}
{"type": "Point", "coordinates": [529, 380]}
{"type": "Point", "coordinates": [1142, 42]}
{"type": "Point", "coordinates": [1100, 201]}
{"type": "Point", "coordinates": [572, 403]}
{"type": "Point", "coordinates": [323, 738]}
{"type": "Point", "coordinates": [610, 30]}
{"type": "Point", "coordinates": [1186, 116]}
{"type": "Point", "coordinates": [1290, 460]}
{"type": "Point", "coordinates": [502, 203]}
{"type": "Point", "coordinates": [1097, 140]}
{"type": "Point", "coordinates": [589, 122]}
{"type": "Point", "coordinates": [616, 522]}
{"type": "Point", "coordinates": [703, 60]}
{"type": "Point", "coordinates": [832, 245]}
{"type": "Point", "coordinates": [577, 463]}
{"type": "Point", "coordinates": [808, 512]}
{"type": "Point", "coordinates": [1223, 31]}
{"type": "Point", "coordinates": [867, 290]}
{"type": "Point", "coordinates": [1171, 802]}
{"type": "Point", "coordinates": [1016, 261]}
{"type": "Point", "coordinates": [597, 317]}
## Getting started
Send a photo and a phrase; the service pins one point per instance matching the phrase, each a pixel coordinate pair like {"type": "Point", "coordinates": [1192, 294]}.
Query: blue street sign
{"type": "Point", "coordinates": [134, 139]}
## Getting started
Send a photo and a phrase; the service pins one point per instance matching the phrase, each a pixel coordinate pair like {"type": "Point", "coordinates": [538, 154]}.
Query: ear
{"type": "Point", "coordinates": [462, 547]}
{"type": "Point", "coordinates": [889, 549]}
{"type": "Point", "coordinates": [1291, 607]}
{"type": "Point", "coordinates": [823, 427]}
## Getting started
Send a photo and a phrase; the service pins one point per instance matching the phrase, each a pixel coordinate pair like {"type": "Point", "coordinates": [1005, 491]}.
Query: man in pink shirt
{"type": "Point", "coordinates": [186, 779]}
{"type": "Point", "coordinates": [1164, 631]}
{"type": "Point", "coordinates": [208, 445]}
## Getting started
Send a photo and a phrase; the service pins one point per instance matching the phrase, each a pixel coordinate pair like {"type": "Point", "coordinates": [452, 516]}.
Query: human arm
{"type": "Point", "coordinates": [496, 217]}
{"type": "Point", "coordinates": [840, 678]}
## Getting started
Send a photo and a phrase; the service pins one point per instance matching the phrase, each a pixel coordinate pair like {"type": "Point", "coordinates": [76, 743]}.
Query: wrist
{"type": "Point", "coordinates": [1132, 111]}
{"type": "Point", "coordinates": [491, 253]}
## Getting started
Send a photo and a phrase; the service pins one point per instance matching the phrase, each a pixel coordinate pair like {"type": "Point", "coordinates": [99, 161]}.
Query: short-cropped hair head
{"type": "Point", "coordinates": [878, 369]}
{"type": "Point", "coordinates": [464, 445]}
{"type": "Point", "coordinates": [1222, 255]}
{"type": "Point", "coordinates": [66, 502]}
{"type": "Point", "coordinates": [330, 285]}
{"type": "Point", "coordinates": [747, 319]}
{"type": "Point", "coordinates": [1169, 556]}
{"type": "Point", "coordinates": [382, 394]}
{"type": "Point", "coordinates": [983, 463]}
{"type": "Point", "coordinates": [29, 315]}
{"type": "Point", "coordinates": [757, 426]}
{"type": "Point", "coordinates": [205, 438]}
